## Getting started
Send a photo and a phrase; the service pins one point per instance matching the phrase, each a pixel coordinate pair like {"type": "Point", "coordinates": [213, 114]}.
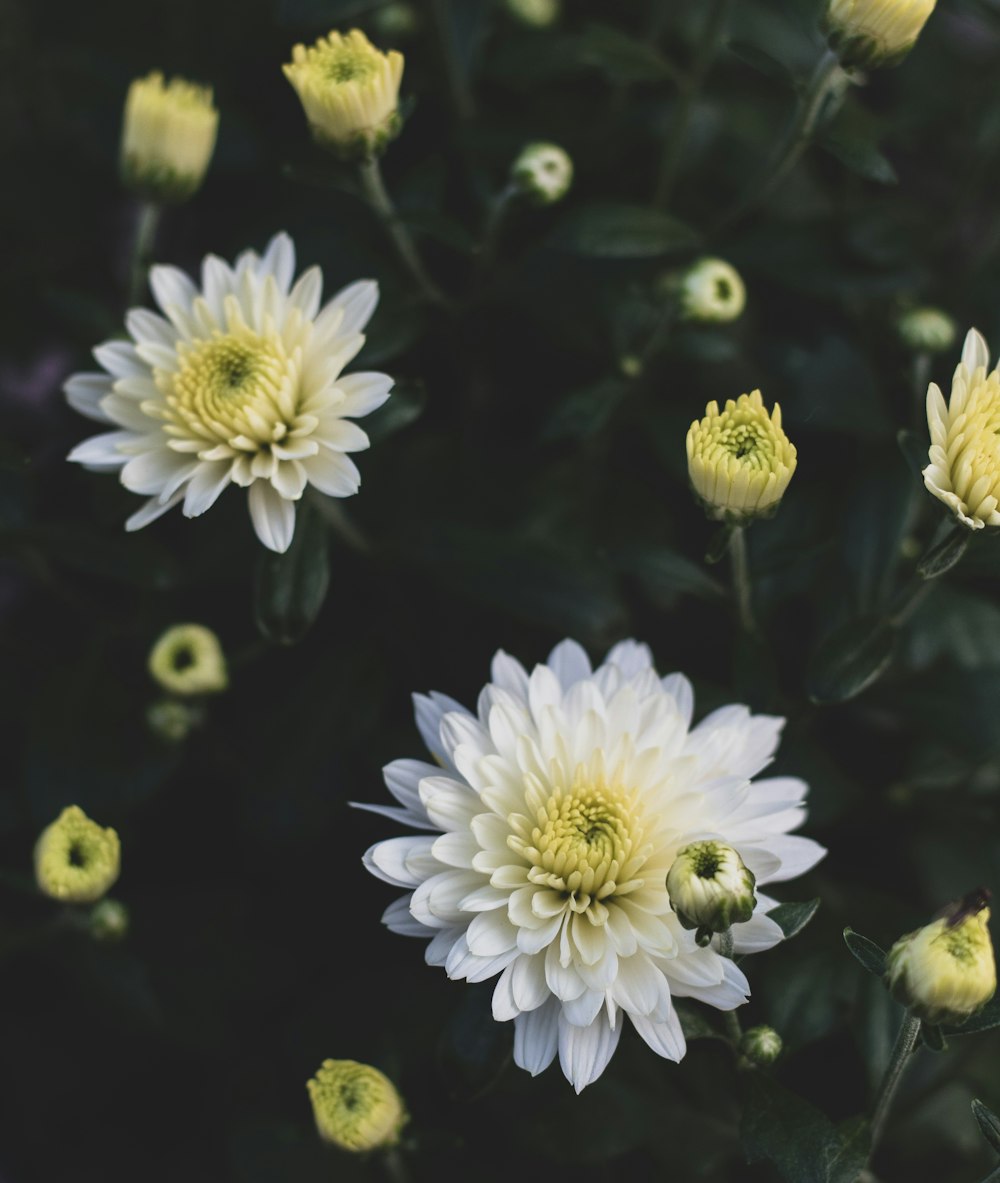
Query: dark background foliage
{"type": "Point", "coordinates": [521, 488]}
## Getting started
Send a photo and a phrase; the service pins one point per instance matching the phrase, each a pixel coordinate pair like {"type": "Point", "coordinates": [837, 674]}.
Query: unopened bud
{"type": "Point", "coordinates": [710, 887]}
{"type": "Point", "coordinates": [356, 1107]}
{"type": "Point", "coordinates": [543, 173]}
{"type": "Point", "coordinates": [76, 860]}
{"type": "Point", "coordinates": [761, 1046]}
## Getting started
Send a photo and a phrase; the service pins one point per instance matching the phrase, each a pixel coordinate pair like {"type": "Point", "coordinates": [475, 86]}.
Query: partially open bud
{"type": "Point", "coordinates": [536, 14]}
{"type": "Point", "coordinates": [761, 1046]}
{"type": "Point", "coordinates": [739, 459]}
{"type": "Point", "coordinates": [108, 921]}
{"type": "Point", "coordinates": [875, 32]}
{"type": "Point", "coordinates": [188, 659]}
{"type": "Point", "coordinates": [349, 91]}
{"type": "Point", "coordinates": [945, 971]}
{"type": "Point", "coordinates": [710, 888]}
{"type": "Point", "coordinates": [356, 1107]}
{"type": "Point", "coordinates": [926, 330]}
{"type": "Point", "coordinates": [543, 173]}
{"type": "Point", "coordinates": [711, 291]}
{"type": "Point", "coordinates": [76, 860]}
{"type": "Point", "coordinates": [168, 137]}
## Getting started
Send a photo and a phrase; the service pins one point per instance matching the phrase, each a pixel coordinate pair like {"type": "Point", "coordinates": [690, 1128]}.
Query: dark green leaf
{"type": "Point", "coordinates": [801, 1143]}
{"type": "Point", "coordinates": [760, 60]}
{"type": "Point", "coordinates": [933, 1037]}
{"type": "Point", "coordinates": [914, 450]}
{"type": "Point", "coordinates": [866, 952]}
{"type": "Point", "coordinates": [622, 58]}
{"type": "Point", "coordinates": [290, 589]}
{"type": "Point", "coordinates": [666, 575]}
{"type": "Point", "coordinates": [857, 150]}
{"type": "Point", "coordinates": [850, 659]}
{"type": "Point", "coordinates": [123, 558]}
{"type": "Point", "coordinates": [792, 918]}
{"type": "Point", "coordinates": [944, 555]}
{"type": "Point", "coordinates": [989, 1123]}
{"type": "Point", "coordinates": [622, 232]}
{"type": "Point", "coordinates": [474, 1047]}
{"type": "Point", "coordinates": [985, 1020]}
{"type": "Point", "coordinates": [585, 412]}
{"type": "Point", "coordinates": [406, 404]}
{"type": "Point", "coordinates": [694, 1024]}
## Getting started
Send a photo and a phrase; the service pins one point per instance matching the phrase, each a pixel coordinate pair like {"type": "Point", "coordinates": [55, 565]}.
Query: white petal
{"type": "Point", "coordinates": [666, 1039]}
{"type": "Point", "coordinates": [797, 855]}
{"type": "Point", "coordinates": [147, 326]}
{"type": "Point", "coordinates": [171, 287]}
{"type": "Point", "coordinates": [332, 473]}
{"type": "Point", "coordinates": [358, 301]}
{"type": "Point", "coordinates": [344, 436]}
{"type": "Point", "coordinates": [631, 657]}
{"type": "Point", "coordinates": [403, 862]}
{"type": "Point", "coordinates": [103, 451]}
{"type": "Point", "coordinates": [679, 689]}
{"type": "Point", "coordinates": [273, 517]}
{"type": "Point", "coordinates": [279, 261]}
{"type": "Point", "coordinates": [153, 509]}
{"type": "Point", "coordinates": [307, 291]}
{"type": "Point", "coordinates": [151, 471]}
{"type": "Point", "coordinates": [570, 663]}
{"type": "Point", "coordinates": [205, 485]}
{"type": "Point", "coordinates": [363, 392]}
{"type": "Point", "coordinates": [536, 1037]}
{"type": "Point", "coordinates": [84, 393]}
{"type": "Point", "coordinates": [975, 351]}
{"type": "Point", "coordinates": [398, 918]}
{"type": "Point", "coordinates": [584, 1052]}
{"type": "Point", "coordinates": [120, 358]}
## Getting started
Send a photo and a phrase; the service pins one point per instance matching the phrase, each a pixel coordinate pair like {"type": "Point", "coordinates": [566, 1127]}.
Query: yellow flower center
{"type": "Point", "coordinates": [239, 388]}
{"type": "Point", "coordinates": [744, 436]}
{"type": "Point", "coordinates": [345, 63]}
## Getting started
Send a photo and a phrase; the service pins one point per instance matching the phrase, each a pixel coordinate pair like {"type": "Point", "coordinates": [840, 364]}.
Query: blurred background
{"type": "Point", "coordinates": [526, 482]}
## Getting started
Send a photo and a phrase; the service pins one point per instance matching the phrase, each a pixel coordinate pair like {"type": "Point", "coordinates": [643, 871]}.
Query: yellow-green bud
{"type": "Point", "coordinates": [108, 921]}
{"type": "Point", "coordinates": [543, 173]}
{"type": "Point", "coordinates": [739, 459]}
{"type": "Point", "coordinates": [349, 91]}
{"type": "Point", "coordinates": [945, 971]}
{"type": "Point", "coordinates": [396, 20]}
{"type": "Point", "coordinates": [761, 1045]}
{"type": "Point", "coordinates": [188, 659]}
{"type": "Point", "coordinates": [167, 138]}
{"type": "Point", "coordinates": [536, 14]}
{"type": "Point", "coordinates": [172, 720]}
{"type": "Point", "coordinates": [926, 330]}
{"type": "Point", "coordinates": [356, 1107]}
{"type": "Point", "coordinates": [875, 32]}
{"type": "Point", "coordinates": [76, 860]}
{"type": "Point", "coordinates": [711, 291]}
{"type": "Point", "coordinates": [710, 888]}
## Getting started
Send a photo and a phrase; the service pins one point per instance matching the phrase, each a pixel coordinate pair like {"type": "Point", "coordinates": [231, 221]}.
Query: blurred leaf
{"type": "Point", "coordinates": [665, 575]}
{"type": "Point", "coordinates": [123, 558]}
{"type": "Point", "coordinates": [760, 60]}
{"type": "Point", "coordinates": [792, 918]}
{"type": "Point", "coordinates": [933, 1037]}
{"type": "Point", "coordinates": [944, 555]}
{"type": "Point", "coordinates": [801, 1142]}
{"type": "Point", "coordinates": [622, 58]}
{"type": "Point", "coordinates": [914, 451]}
{"type": "Point", "coordinates": [954, 626]}
{"type": "Point", "coordinates": [436, 225]}
{"type": "Point", "coordinates": [405, 406]}
{"type": "Point", "coordinates": [850, 659]}
{"type": "Point", "coordinates": [877, 514]}
{"type": "Point", "coordinates": [622, 232]}
{"type": "Point", "coordinates": [289, 589]}
{"type": "Point", "coordinates": [986, 1020]}
{"type": "Point", "coordinates": [319, 14]}
{"type": "Point", "coordinates": [853, 139]}
{"type": "Point", "coordinates": [694, 1024]}
{"type": "Point", "coordinates": [989, 1123]}
{"type": "Point", "coordinates": [474, 1047]}
{"type": "Point", "coordinates": [865, 952]}
{"type": "Point", "coordinates": [585, 412]}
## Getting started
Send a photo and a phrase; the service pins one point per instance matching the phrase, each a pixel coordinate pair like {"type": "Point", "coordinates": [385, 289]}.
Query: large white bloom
{"type": "Point", "coordinates": [238, 382]}
{"type": "Point", "coordinates": [559, 808]}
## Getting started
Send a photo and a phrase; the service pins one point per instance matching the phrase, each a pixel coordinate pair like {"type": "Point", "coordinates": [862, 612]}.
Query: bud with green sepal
{"type": "Point", "coordinates": [761, 1046]}
{"type": "Point", "coordinates": [542, 173]}
{"type": "Point", "coordinates": [871, 33]}
{"type": "Point", "coordinates": [710, 888]}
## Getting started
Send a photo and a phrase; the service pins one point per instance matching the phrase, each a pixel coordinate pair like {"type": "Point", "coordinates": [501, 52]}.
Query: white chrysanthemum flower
{"type": "Point", "coordinates": [239, 382]}
{"type": "Point", "coordinates": [559, 809]}
{"type": "Point", "coordinates": [964, 469]}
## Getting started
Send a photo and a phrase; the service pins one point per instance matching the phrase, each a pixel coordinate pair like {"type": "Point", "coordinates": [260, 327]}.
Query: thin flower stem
{"type": "Point", "coordinates": [733, 1027]}
{"type": "Point", "coordinates": [378, 197]}
{"type": "Point", "coordinates": [828, 81]}
{"type": "Point", "coordinates": [741, 578]}
{"type": "Point", "coordinates": [458, 84]}
{"type": "Point", "coordinates": [395, 1166]}
{"type": "Point", "coordinates": [673, 149]}
{"type": "Point", "coordinates": [491, 231]}
{"type": "Point", "coordinates": [333, 513]}
{"type": "Point", "coordinates": [147, 222]}
{"type": "Point", "coordinates": [906, 1041]}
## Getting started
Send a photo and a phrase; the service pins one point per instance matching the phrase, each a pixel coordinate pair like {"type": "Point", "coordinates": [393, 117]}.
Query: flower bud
{"type": "Point", "coordinates": [536, 14]}
{"type": "Point", "coordinates": [739, 459]}
{"type": "Point", "coordinates": [761, 1046]}
{"type": "Point", "coordinates": [188, 659]}
{"type": "Point", "coordinates": [108, 921]}
{"type": "Point", "coordinates": [356, 1107]}
{"type": "Point", "coordinates": [168, 137]}
{"type": "Point", "coordinates": [964, 468]}
{"type": "Point", "coordinates": [945, 971]}
{"type": "Point", "coordinates": [171, 720]}
{"type": "Point", "coordinates": [543, 173]}
{"type": "Point", "coordinates": [711, 291]}
{"type": "Point", "coordinates": [76, 860]}
{"type": "Point", "coordinates": [870, 33]}
{"type": "Point", "coordinates": [394, 21]}
{"type": "Point", "coordinates": [710, 887]}
{"type": "Point", "coordinates": [926, 330]}
{"type": "Point", "coordinates": [349, 91]}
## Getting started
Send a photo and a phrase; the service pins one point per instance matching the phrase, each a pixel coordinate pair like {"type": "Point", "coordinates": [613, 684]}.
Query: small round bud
{"type": "Point", "coordinates": [168, 137]}
{"type": "Point", "coordinates": [739, 459]}
{"type": "Point", "coordinates": [945, 971]}
{"type": "Point", "coordinates": [76, 860]}
{"type": "Point", "coordinates": [108, 921]}
{"type": "Point", "coordinates": [536, 14]}
{"type": "Point", "coordinates": [395, 21]}
{"type": "Point", "coordinates": [926, 330]}
{"type": "Point", "coordinates": [349, 91]}
{"type": "Point", "coordinates": [171, 720]}
{"type": "Point", "coordinates": [188, 659]}
{"type": "Point", "coordinates": [710, 887]}
{"type": "Point", "coordinates": [712, 291]}
{"type": "Point", "coordinates": [630, 365]}
{"type": "Point", "coordinates": [870, 33]}
{"type": "Point", "coordinates": [543, 173]}
{"type": "Point", "coordinates": [761, 1046]}
{"type": "Point", "coordinates": [356, 1107]}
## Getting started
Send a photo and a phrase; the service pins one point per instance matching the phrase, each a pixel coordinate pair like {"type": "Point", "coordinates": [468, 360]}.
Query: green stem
{"type": "Point", "coordinates": [730, 1018]}
{"type": "Point", "coordinates": [458, 85]}
{"type": "Point", "coordinates": [673, 149]}
{"type": "Point", "coordinates": [741, 578]}
{"type": "Point", "coordinates": [906, 1041]}
{"type": "Point", "coordinates": [333, 513]}
{"type": "Point", "coordinates": [146, 225]}
{"type": "Point", "coordinates": [491, 232]}
{"type": "Point", "coordinates": [394, 1166]}
{"type": "Point", "coordinates": [374, 188]}
{"type": "Point", "coordinates": [828, 80]}
{"type": "Point", "coordinates": [993, 1176]}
